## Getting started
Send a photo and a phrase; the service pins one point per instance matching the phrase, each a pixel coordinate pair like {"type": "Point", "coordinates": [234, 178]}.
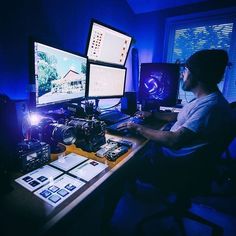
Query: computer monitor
{"type": "Point", "coordinates": [107, 44]}
{"type": "Point", "coordinates": [159, 82]}
{"type": "Point", "coordinates": [105, 81]}
{"type": "Point", "coordinates": [59, 75]}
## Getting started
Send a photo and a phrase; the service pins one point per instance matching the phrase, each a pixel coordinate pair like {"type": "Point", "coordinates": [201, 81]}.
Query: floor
{"type": "Point", "coordinates": [220, 210]}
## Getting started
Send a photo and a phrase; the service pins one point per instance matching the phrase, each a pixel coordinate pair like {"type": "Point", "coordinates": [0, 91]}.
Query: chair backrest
{"type": "Point", "coordinates": [193, 175]}
{"type": "Point", "coordinates": [232, 146]}
{"type": "Point", "coordinates": [233, 107]}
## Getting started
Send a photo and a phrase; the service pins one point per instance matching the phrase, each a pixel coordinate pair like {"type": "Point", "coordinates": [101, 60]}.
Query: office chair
{"type": "Point", "coordinates": [227, 151]}
{"type": "Point", "coordinates": [190, 178]}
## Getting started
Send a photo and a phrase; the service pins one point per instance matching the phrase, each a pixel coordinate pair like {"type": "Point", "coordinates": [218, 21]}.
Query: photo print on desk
{"type": "Point", "coordinates": [58, 191]}
{"type": "Point", "coordinates": [69, 161]}
{"type": "Point", "coordinates": [38, 178]}
{"type": "Point", "coordinates": [88, 170]}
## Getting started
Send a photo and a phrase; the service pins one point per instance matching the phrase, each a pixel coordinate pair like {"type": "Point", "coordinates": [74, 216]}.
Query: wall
{"type": "Point", "coordinates": [151, 27]}
{"type": "Point", "coordinates": [149, 36]}
{"type": "Point", "coordinates": [64, 24]}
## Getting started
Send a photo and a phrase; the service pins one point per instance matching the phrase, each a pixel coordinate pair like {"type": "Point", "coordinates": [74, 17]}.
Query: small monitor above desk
{"type": "Point", "coordinates": [105, 81]}
{"type": "Point", "coordinates": [107, 44]}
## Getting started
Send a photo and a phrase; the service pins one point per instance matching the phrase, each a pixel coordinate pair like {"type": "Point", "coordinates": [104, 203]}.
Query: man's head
{"type": "Point", "coordinates": [206, 67]}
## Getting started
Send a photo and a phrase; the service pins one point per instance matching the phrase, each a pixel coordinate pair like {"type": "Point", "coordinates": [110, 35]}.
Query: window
{"type": "Point", "coordinates": [188, 34]}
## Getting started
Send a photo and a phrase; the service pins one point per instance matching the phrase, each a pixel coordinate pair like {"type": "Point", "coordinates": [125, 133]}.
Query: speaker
{"type": "Point", "coordinates": [22, 113]}
{"type": "Point", "coordinates": [129, 103]}
{"type": "Point", "coordinates": [12, 115]}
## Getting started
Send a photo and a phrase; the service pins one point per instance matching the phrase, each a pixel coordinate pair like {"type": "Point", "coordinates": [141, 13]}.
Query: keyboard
{"type": "Point", "coordinates": [112, 117]}
{"type": "Point", "coordinates": [113, 127]}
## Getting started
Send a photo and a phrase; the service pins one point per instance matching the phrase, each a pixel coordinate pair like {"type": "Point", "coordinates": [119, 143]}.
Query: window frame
{"type": "Point", "coordinates": [221, 16]}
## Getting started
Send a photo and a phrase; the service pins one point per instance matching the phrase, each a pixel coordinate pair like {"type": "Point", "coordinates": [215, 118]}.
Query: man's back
{"type": "Point", "coordinates": [209, 117]}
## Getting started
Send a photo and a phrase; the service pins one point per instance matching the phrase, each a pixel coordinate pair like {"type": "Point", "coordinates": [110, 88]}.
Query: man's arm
{"type": "Point", "coordinates": [165, 116]}
{"type": "Point", "coordinates": [175, 140]}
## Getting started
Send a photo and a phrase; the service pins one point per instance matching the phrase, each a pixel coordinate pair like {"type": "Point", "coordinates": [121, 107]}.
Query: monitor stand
{"type": "Point", "coordinates": [76, 109]}
{"type": "Point", "coordinates": [96, 103]}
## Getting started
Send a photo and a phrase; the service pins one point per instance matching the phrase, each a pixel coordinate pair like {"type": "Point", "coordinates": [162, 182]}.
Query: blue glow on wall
{"type": "Point", "coordinates": [54, 22]}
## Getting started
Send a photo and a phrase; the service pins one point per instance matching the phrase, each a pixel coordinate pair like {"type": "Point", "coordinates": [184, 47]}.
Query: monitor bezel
{"type": "Point", "coordinates": [95, 21]}
{"type": "Point", "coordinates": [104, 65]}
{"type": "Point", "coordinates": [33, 79]}
{"type": "Point", "coordinates": [140, 96]}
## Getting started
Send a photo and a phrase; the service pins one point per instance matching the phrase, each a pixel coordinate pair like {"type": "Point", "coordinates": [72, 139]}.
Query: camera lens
{"type": "Point", "coordinates": [52, 133]}
{"type": "Point", "coordinates": [63, 134]}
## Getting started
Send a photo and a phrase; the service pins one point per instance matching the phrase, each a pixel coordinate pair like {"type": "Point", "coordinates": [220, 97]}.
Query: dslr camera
{"type": "Point", "coordinates": [90, 134]}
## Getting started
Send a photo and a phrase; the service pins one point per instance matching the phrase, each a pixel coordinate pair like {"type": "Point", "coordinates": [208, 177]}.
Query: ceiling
{"type": "Point", "coordinates": [143, 6]}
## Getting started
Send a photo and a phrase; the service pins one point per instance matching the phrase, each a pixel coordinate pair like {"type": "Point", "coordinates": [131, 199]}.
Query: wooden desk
{"type": "Point", "coordinates": [25, 213]}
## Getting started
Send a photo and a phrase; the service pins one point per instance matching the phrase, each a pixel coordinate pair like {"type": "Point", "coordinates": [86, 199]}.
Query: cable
{"type": "Point", "coordinates": [107, 108]}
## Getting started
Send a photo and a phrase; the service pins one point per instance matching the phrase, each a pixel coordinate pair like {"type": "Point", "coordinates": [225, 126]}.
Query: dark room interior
{"type": "Point", "coordinates": [160, 33]}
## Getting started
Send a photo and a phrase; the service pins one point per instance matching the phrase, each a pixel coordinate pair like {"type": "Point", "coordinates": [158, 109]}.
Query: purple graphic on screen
{"type": "Point", "coordinates": [159, 81]}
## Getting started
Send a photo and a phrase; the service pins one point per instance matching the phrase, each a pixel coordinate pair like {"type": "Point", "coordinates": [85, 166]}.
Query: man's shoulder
{"type": "Point", "coordinates": [212, 101]}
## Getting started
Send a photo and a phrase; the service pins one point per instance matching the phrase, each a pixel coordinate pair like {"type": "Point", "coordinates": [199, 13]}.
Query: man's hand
{"type": "Point", "coordinates": [128, 125]}
{"type": "Point", "coordinates": [143, 114]}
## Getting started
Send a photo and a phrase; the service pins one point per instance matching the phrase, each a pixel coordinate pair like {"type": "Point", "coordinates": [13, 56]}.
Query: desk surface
{"type": "Point", "coordinates": [21, 209]}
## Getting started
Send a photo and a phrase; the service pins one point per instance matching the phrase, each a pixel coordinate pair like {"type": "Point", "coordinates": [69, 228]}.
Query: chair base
{"type": "Point", "coordinates": [179, 216]}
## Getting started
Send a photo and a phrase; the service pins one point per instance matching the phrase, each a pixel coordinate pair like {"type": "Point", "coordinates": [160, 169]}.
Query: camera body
{"type": "Point", "coordinates": [90, 134]}
{"type": "Point", "coordinates": [32, 155]}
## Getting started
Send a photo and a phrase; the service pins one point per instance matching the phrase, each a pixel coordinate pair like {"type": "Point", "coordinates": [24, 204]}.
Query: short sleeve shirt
{"type": "Point", "coordinates": [209, 117]}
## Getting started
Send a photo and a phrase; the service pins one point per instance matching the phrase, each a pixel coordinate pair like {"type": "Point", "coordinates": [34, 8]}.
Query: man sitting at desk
{"type": "Point", "coordinates": [203, 121]}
